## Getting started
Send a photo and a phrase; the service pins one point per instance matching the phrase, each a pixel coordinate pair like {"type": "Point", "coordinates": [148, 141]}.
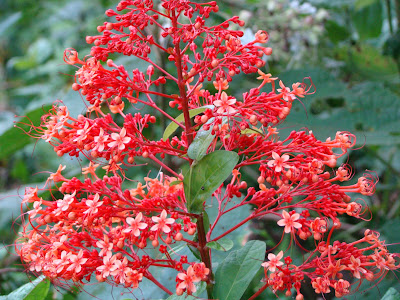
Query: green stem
{"type": "Point", "coordinates": [397, 8]}
{"type": "Point", "coordinates": [383, 161]}
{"type": "Point", "coordinates": [389, 14]}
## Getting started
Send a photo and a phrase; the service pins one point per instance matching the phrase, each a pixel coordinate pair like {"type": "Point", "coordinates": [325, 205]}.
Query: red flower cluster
{"type": "Point", "coordinates": [98, 226]}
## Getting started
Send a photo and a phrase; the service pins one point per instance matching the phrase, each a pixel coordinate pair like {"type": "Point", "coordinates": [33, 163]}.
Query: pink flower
{"type": "Point", "coordinates": [356, 268]}
{"type": "Point", "coordinates": [30, 195]}
{"type": "Point", "coordinates": [57, 177]}
{"type": "Point", "coordinates": [187, 281]}
{"type": "Point", "coordinates": [82, 133]}
{"type": "Point", "coordinates": [135, 224]}
{"type": "Point", "coordinates": [225, 104]}
{"type": "Point", "coordinates": [63, 204]}
{"type": "Point", "coordinates": [105, 246]}
{"type": "Point", "coordinates": [133, 278]}
{"type": "Point", "coordinates": [93, 205]}
{"type": "Point", "coordinates": [285, 91]}
{"type": "Point", "coordinates": [162, 222]}
{"type": "Point", "coordinates": [289, 221]}
{"type": "Point", "coordinates": [278, 162]}
{"type": "Point", "coordinates": [108, 265]}
{"type": "Point", "coordinates": [60, 263]}
{"type": "Point", "coordinates": [200, 271]}
{"type": "Point", "coordinates": [59, 243]}
{"type": "Point", "coordinates": [100, 139]}
{"type": "Point", "coordinates": [274, 261]}
{"type": "Point", "coordinates": [119, 270]}
{"type": "Point", "coordinates": [119, 139]}
{"type": "Point", "coordinates": [77, 262]}
{"type": "Point", "coordinates": [36, 208]}
{"type": "Point", "coordinates": [36, 262]}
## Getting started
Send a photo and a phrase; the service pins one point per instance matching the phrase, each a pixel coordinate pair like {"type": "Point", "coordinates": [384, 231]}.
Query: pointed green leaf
{"type": "Point", "coordinates": [251, 131]}
{"type": "Point", "coordinates": [391, 294]}
{"type": "Point", "coordinates": [14, 138]}
{"type": "Point", "coordinates": [235, 273]}
{"type": "Point", "coordinates": [360, 4]}
{"type": "Point", "coordinates": [195, 251]}
{"type": "Point", "coordinates": [173, 126]}
{"type": "Point", "coordinates": [206, 222]}
{"type": "Point", "coordinates": [205, 176]}
{"type": "Point", "coordinates": [37, 289]}
{"type": "Point", "coordinates": [369, 20]}
{"type": "Point", "coordinates": [336, 32]}
{"type": "Point", "coordinates": [175, 182]}
{"type": "Point", "coordinates": [223, 244]}
{"type": "Point", "coordinates": [9, 21]}
{"type": "Point", "coordinates": [198, 148]}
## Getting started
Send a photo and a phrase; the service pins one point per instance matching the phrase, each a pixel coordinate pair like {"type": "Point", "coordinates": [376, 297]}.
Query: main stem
{"type": "Point", "coordinates": [201, 233]}
{"type": "Point", "coordinates": [205, 252]}
{"type": "Point", "coordinates": [181, 85]}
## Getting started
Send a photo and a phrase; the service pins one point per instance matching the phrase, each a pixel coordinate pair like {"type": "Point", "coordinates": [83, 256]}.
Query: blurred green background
{"type": "Point", "coordinates": [350, 49]}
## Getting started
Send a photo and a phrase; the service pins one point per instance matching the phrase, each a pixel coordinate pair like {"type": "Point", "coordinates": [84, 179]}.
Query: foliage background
{"type": "Point", "coordinates": [350, 49]}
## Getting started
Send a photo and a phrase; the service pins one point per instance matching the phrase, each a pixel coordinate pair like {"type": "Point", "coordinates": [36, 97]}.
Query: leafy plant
{"type": "Point", "coordinates": [104, 228]}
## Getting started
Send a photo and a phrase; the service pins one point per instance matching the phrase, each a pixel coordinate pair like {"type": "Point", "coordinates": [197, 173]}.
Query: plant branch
{"type": "Point", "coordinates": [165, 166]}
{"type": "Point", "coordinates": [397, 8]}
{"type": "Point", "coordinates": [181, 85]}
{"type": "Point", "coordinates": [205, 252]}
{"type": "Point", "coordinates": [150, 277]}
{"type": "Point", "coordinates": [262, 289]}
{"type": "Point", "coordinates": [389, 15]}
{"type": "Point", "coordinates": [6, 270]}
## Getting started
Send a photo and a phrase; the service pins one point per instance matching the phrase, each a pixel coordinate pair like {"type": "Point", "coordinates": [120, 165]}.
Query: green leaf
{"type": "Point", "coordinates": [205, 176]}
{"type": "Point", "coordinates": [391, 294]}
{"type": "Point", "coordinates": [198, 148]}
{"type": "Point", "coordinates": [336, 33]}
{"type": "Point", "coordinates": [175, 182]}
{"type": "Point", "coordinates": [337, 4]}
{"type": "Point", "coordinates": [235, 273]}
{"type": "Point", "coordinates": [365, 62]}
{"type": "Point", "coordinates": [326, 85]}
{"type": "Point", "coordinates": [9, 21]}
{"type": "Point", "coordinates": [176, 249]}
{"type": "Point", "coordinates": [251, 131]}
{"type": "Point", "coordinates": [173, 126]}
{"type": "Point", "coordinates": [206, 222]}
{"type": "Point", "coordinates": [368, 21]}
{"type": "Point", "coordinates": [37, 289]}
{"type": "Point", "coordinates": [14, 138]}
{"type": "Point", "coordinates": [195, 251]}
{"type": "Point", "coordinates": [392, 45]}
{"type": "Point", "coordinates": [360, 4]}
{"type": "Point", "coordinates": [223, 244]}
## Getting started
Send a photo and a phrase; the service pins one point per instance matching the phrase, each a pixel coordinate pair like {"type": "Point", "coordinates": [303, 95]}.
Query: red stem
{"type": "Point", "coordinates": [181, 85]}
{"type": "Point", "coordinates": [234, 228]}
{"type": "Point", "coordinates": [262, 289]}
{"type": "Point", "coordinates": [157, 108]}
{"type": "Point", "coordinates": [165, 166]}
{"type": "Point", "coordinates": [151, 278]}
